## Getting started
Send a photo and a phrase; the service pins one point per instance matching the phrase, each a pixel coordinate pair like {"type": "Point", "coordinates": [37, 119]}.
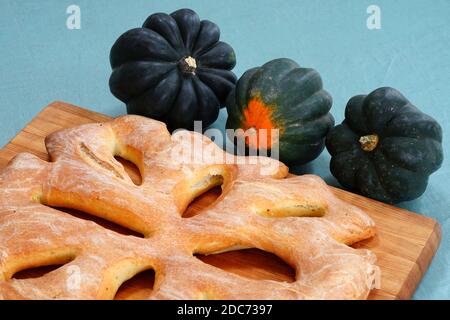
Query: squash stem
{"type": "Point", "coordinates": [188, 65]}
{"type": "Point", "coordinates": [369, 142]}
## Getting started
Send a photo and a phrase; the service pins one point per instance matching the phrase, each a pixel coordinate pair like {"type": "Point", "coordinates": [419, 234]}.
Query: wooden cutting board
{"type": "Point", "coordinates": [405, 243]}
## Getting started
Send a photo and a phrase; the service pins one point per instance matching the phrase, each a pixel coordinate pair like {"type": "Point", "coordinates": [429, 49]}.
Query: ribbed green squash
{"type": "Point", "coordinates": [282, 95]}
{"type": "Point", "coordinates": [173, 69]}
{"type": "Point", "coordinates": [386, 148]}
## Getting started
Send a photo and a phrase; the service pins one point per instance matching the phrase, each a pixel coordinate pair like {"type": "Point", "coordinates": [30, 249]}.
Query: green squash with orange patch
{"type": "Point", "coordinates": [283, 96]}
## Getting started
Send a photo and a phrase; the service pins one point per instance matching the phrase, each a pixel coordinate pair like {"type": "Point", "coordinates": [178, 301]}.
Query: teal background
{"type": "Point", "coordinates": [42, 61]}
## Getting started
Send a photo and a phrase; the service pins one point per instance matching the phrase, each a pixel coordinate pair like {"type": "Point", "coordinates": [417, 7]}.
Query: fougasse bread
{"type": "Point", "coordinates": [297, 218]}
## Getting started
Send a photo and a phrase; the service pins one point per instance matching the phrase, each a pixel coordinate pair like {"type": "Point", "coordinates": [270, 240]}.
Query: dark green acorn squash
{"type": "Point", "coordinates": [173, 69]}
{"type": "Point", "coordinates": [386, 148]}
{"type": "Point", "coordinates": [282, 95]}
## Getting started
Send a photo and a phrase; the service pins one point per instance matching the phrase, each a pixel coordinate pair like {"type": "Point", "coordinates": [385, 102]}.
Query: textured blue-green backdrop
{"type": "Point", "coordinates": [41, 61]}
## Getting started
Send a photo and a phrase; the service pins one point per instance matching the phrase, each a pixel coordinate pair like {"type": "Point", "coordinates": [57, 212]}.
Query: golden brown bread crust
{"type": "Point", "coordinates": [296, 218]}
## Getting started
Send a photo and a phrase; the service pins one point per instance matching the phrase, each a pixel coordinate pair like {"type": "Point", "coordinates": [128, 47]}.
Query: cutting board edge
{"type": "Point", "coordinates": [426, 256]}
{"type": "Point", "coordinates": [57, 103]}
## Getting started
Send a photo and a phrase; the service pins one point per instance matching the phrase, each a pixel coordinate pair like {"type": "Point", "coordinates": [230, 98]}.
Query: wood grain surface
{"type": "Point", "coordinates": [405, 242]}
